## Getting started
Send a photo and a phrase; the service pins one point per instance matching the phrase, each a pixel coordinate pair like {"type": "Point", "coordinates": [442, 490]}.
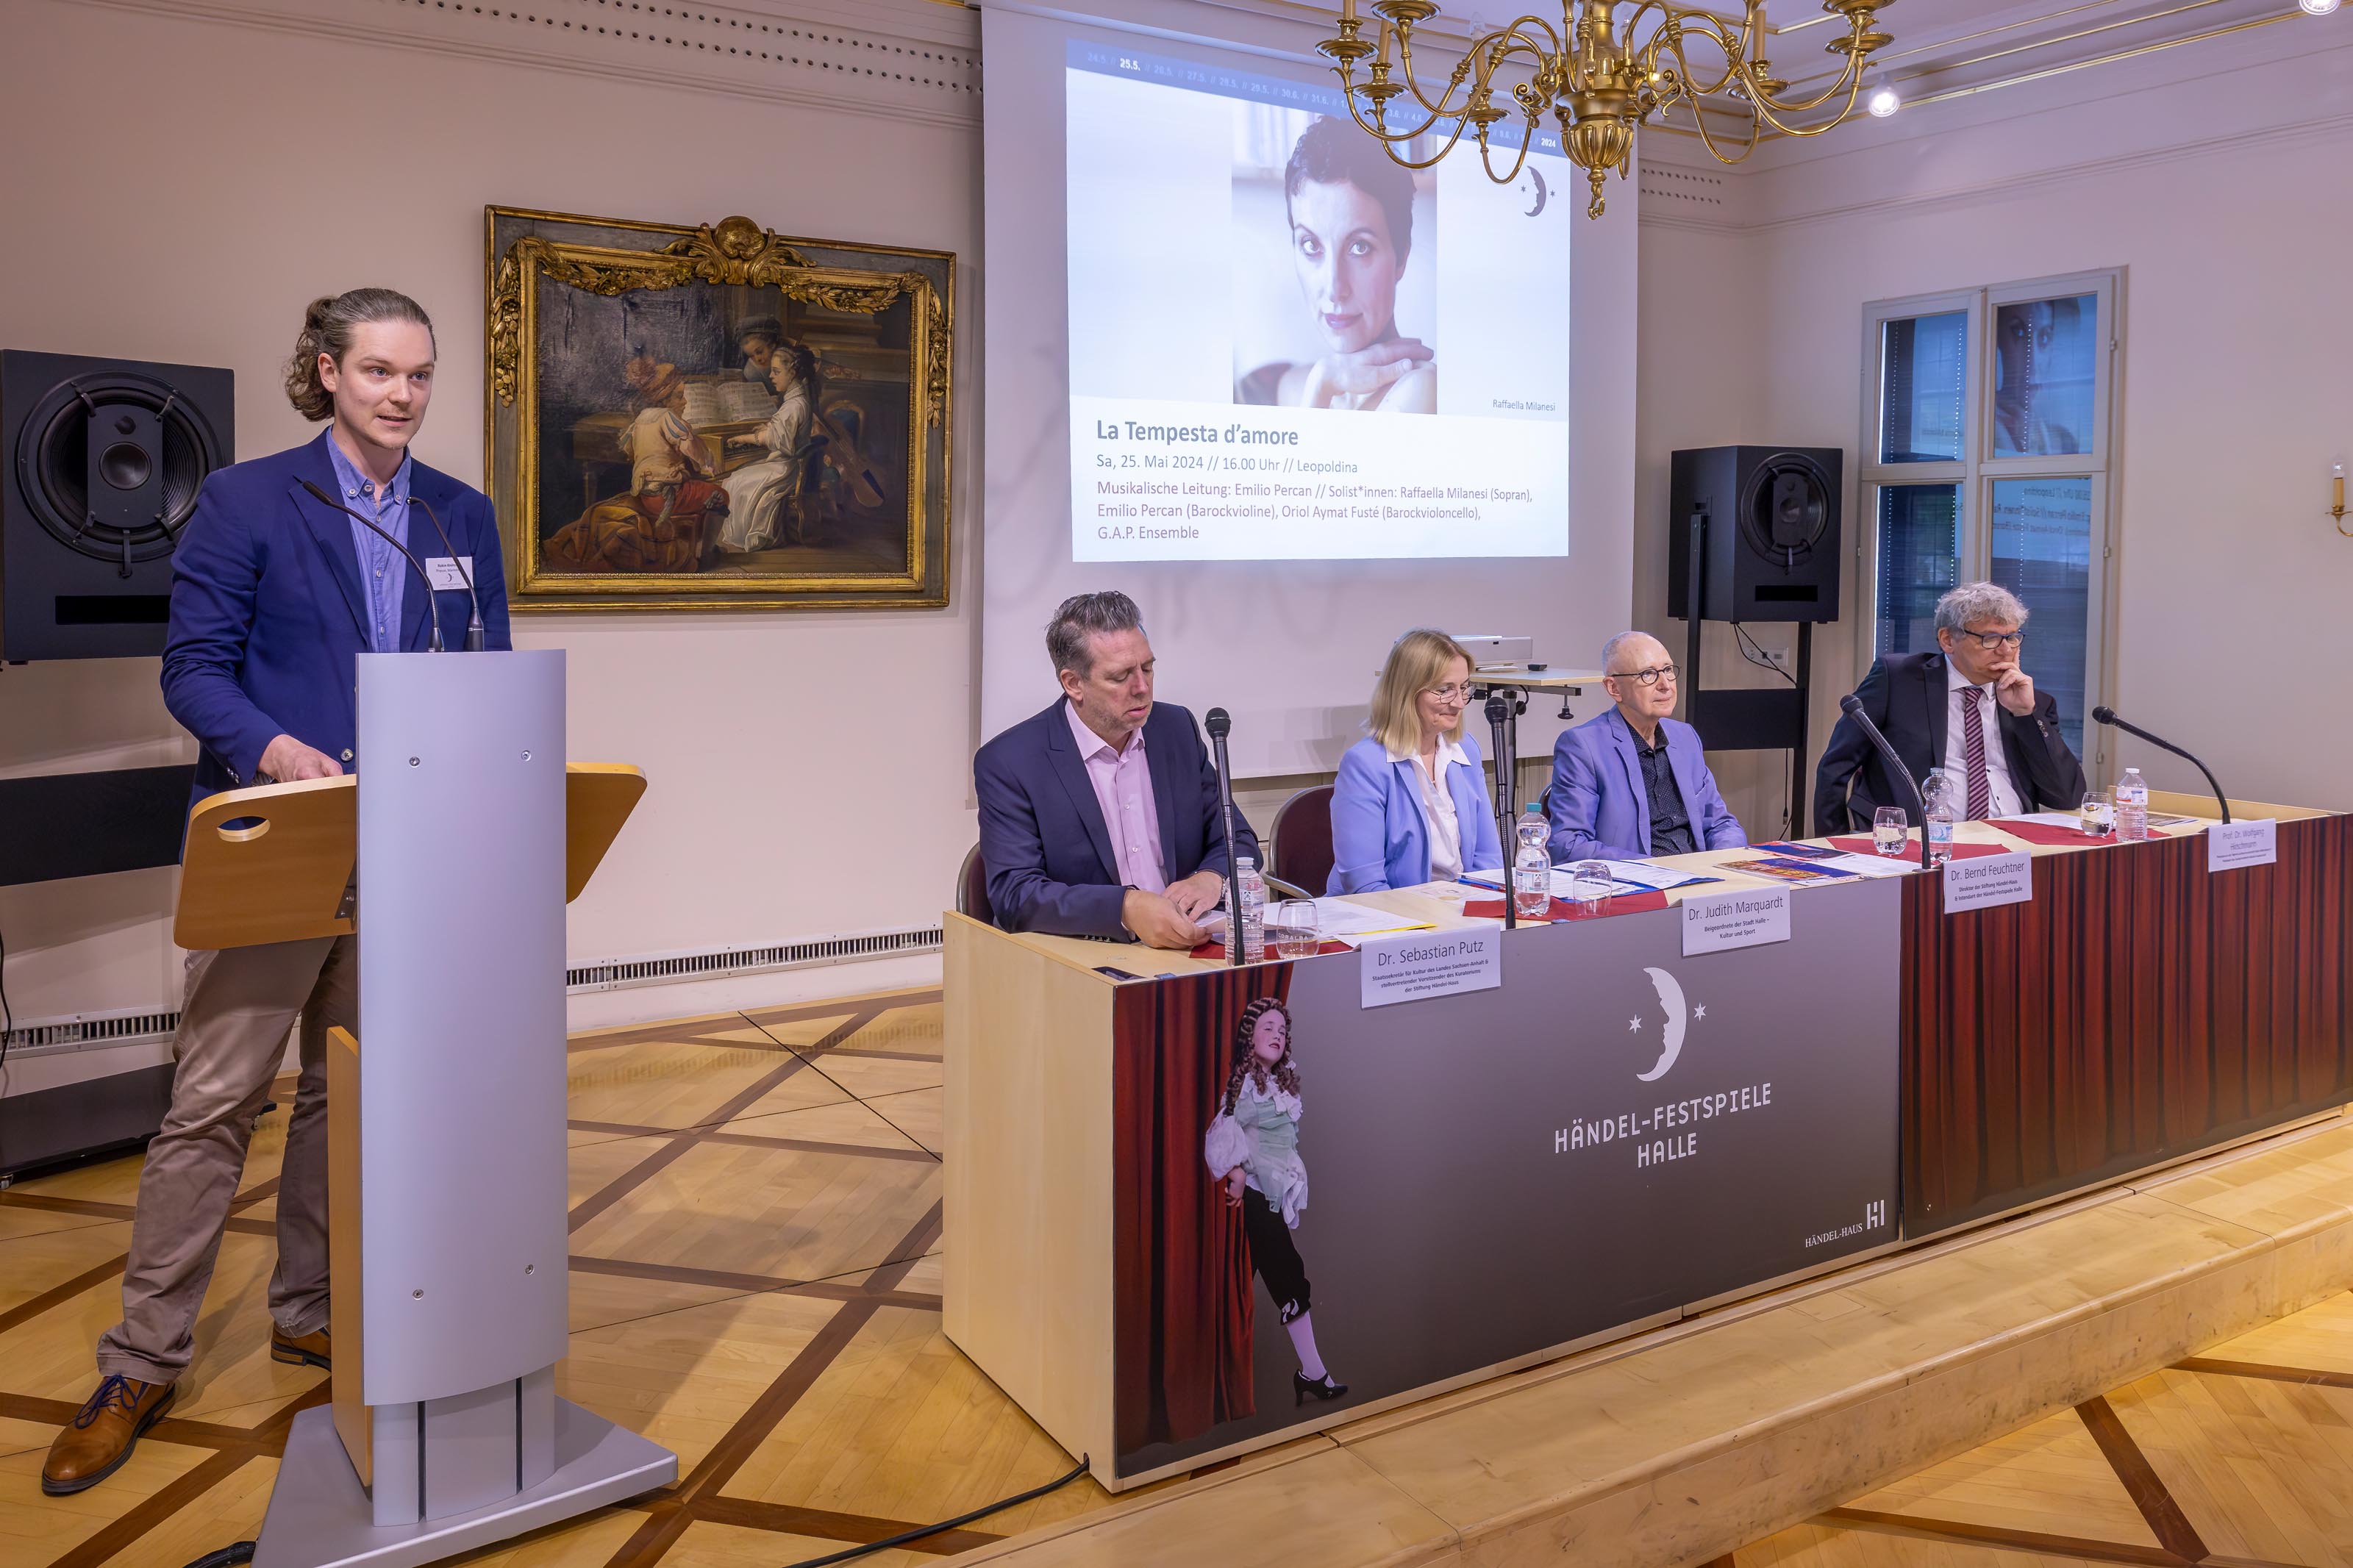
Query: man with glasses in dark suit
{"type": "Point", "coordinates": [1968, 709]}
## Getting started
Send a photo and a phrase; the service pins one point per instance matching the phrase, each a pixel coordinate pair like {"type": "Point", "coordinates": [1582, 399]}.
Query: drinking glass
{"type": "Point", "coordinates": [1888, 827]}
{"type": "Point", "coordinates": [1589, 884]}
{"type": "Point", "coordinates": [1292, 923]}
{"type": "Point", "coordinates": [2099, 811]}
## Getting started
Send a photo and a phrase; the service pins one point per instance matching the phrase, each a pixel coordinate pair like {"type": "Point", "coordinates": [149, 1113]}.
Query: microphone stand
{"type": "Point", "coordinates": [1851, 706]}
{"type": "Point", "coordinates": [1219, 722]}
{"type": "Point", "coordinates": [1498, 724]}
{"type": "Point", "coordinates": [430, 606]}
{"type": "Point", "coordinates": [2108, 715]}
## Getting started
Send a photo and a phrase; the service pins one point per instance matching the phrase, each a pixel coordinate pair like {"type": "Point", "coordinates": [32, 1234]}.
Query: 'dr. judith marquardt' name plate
{"type": "Point", "coordinates": [1717, 922]}
{"type": "Point", "coordinates": [1414, 965]}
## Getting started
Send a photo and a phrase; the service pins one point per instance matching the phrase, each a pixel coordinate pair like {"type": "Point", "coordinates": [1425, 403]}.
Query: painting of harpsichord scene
{"type": "Point", "coordinates": [727, 420]}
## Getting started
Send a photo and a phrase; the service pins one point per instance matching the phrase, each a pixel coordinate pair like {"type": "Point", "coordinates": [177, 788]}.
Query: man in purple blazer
{"type": "Point", "coordinates": [1635, 783]}
{"type": "Point", "coordinates": [1100, 816]}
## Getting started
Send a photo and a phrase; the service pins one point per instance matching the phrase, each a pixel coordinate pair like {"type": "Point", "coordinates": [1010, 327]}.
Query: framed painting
{"type": "Point", "coordinates": [715, 417]}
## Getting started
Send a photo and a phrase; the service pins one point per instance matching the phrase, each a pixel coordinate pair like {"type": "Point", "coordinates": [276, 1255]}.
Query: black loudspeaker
{"type": "Point", "coordinates": [103, 460]}
{"type": "Point", "coordinates": [1772, 550]}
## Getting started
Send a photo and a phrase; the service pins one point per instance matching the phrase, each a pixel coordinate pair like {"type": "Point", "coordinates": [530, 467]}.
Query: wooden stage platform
{"type": "Point", "coordinates": [756, 1266]}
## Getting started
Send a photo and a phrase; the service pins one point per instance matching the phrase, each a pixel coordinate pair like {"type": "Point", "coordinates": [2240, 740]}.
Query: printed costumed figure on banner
{"type": "Point", "coordinates": [1251, 1147]}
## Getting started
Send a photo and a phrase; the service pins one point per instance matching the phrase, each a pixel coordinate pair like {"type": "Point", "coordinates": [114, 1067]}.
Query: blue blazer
{"type": "Point", "coordinates": [1378, 838]}
{"type": "Point", "coordinates": [1599, 809]}
{"type": "Point", "coordinates": [1044, 842]}
{"type": "Point", "coordinates": [268, 612]}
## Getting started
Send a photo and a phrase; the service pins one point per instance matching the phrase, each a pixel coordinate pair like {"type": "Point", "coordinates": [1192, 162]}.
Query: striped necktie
{"type": "Point", "coordinates": [1973, 755]}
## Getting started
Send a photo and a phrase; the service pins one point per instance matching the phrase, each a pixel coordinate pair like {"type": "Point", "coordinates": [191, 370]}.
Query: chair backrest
{"type": "Point", "coordinates": [972, 888]}
{"type": "Point", "coordinates": [1300, 847]}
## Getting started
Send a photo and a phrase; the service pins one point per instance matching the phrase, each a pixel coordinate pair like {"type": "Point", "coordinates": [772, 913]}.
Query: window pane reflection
{"type": "Point", "coordinates": [1919, 559]}
{"type": "Point", "coordinates": [2043, 552]}
{"type": "Point", "coordinates": [2045, 359]}
{"type": "Point", "coordinates": [1922, 370]}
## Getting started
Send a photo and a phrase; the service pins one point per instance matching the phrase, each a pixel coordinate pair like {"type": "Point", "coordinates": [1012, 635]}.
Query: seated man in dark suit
{"type": "Point", "coordinates": [1969, 710]}
{"type": "Point", "coordinates": [1099, 816]}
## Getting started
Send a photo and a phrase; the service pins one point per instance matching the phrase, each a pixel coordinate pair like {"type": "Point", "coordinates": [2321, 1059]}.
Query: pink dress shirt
{"type": "Point", "coordinates": [1123, 784]}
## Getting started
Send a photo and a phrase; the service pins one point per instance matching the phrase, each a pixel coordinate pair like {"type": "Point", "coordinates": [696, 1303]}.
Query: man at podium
{"type": "Point", "coordinates": [290, 566]}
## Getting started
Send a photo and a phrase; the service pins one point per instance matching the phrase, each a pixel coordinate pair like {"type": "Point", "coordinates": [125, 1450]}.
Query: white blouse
{"type": "Point", "coordinates": [1438, 819]}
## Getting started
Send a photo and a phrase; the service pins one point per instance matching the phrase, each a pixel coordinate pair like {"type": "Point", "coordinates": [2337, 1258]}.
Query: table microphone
{"type": "Point", "coordinates": [2107, 716]}
{"type": "Point", "coordinates": [1219, 724]}
{"type": "Point", "coordinates": [1851, 706]}
{"type": "Point", "coordinates": [1499, 725]}
{"type": "Point", "coordinates": [430, 603]}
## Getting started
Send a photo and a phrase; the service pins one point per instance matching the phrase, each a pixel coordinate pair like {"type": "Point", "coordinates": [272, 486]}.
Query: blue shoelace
{"type": "Point", "coordinates": [115, 1389]}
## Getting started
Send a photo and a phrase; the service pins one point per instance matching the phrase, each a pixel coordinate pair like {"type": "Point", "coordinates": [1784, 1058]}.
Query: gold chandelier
{"type": "Point", "coordinates": [1599, 89]}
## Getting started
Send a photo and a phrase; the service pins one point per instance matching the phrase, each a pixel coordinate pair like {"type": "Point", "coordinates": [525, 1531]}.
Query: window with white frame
{"type": "Point", "coordinates": [1986, 456]}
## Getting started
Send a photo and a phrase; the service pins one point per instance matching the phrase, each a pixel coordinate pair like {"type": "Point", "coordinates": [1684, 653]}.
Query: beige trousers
{"type": "Point", "coordinates": [240, 1005]}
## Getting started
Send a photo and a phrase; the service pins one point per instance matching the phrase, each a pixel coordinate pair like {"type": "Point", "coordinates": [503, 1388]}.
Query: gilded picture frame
{"type": "Point", "coordinates": [715, 417]}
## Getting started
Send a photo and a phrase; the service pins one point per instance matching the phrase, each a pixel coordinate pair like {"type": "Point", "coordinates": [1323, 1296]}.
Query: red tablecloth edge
{"type": "Point", "coordinates": [1215, 952]}
{"type": "Point", "coordinates": [1960, 851]}
{"type": "Point", "coordinates": [1618, 904]}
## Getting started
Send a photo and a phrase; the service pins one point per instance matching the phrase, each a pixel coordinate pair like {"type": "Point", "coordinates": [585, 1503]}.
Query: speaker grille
{"type": "Point", "coordinates": [1787, 507]}
{"type": "Point", "coordinates": [53, 464]}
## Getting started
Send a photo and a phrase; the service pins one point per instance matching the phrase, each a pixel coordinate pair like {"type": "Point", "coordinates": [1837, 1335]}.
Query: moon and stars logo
{"type": "Point", "coordinates": [1542, 195]}
{"type": "Point", "coordinates": [1679, 1016]}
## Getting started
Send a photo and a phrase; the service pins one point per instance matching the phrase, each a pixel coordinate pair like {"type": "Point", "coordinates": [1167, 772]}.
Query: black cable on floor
{"type": "Point", "coordinates": [227, 1557]}
{"type": "Point", "coordinates": [901, 1540]}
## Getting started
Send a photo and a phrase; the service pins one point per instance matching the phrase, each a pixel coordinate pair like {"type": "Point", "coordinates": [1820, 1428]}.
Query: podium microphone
{"type": "Point", "coordinates": [1851, 706]}
{"type": "Point", "coordinates": [1219, 724]}
{"type": "Point", "coordinates": [457, 564]}
{"type": "Point", "coordinates": [2107, 716]}
{"type": "Point", "coordinates": [430, 604]}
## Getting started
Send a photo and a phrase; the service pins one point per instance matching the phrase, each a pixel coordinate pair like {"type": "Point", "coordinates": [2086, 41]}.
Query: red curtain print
{"type": "Point", "coordinates": [1182, 1284]}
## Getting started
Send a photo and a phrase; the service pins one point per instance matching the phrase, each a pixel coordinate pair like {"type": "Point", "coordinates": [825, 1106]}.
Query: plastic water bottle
{"type": "Point", "coordinates": [1250, 889]}
{"type": "Point", "coordinates": [1941, 813]}
{"type": "Point", "coordinates": [2132, 807]}
{"type": "Point", "coordinates": [1532, 864]}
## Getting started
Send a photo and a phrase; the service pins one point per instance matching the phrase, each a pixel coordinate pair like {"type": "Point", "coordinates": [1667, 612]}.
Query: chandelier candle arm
{"type": "Point", "coordinates": [1598, 83]}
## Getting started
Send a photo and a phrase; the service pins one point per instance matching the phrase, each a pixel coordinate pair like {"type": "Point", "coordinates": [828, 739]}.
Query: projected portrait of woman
{"type": "Point", "coordinates": [1349, 212]}
{"type": "Point", "coordinates": [2044, 353]}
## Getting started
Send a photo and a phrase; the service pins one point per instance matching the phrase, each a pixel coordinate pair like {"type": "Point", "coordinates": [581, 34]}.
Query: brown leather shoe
{"type": "Point", "coordinates": [307, 1349]}
{"type": "Point", "coordinates": [93, 1445]}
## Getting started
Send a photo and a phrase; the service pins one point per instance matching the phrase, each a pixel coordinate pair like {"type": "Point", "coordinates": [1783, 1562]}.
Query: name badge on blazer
{"type": "Point", "coordinates": [449, 574]}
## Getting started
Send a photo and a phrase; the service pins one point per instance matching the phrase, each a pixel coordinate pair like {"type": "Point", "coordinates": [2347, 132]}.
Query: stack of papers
{"type": "Point", "coordinates": [1847, 865]}
{"type": "Point", "coordinates": [1338, 919]}
{"type": "Point", "coordinates": [1625, 876]}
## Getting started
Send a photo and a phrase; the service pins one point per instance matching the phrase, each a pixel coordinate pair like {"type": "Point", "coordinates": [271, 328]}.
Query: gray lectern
{"type": "Point", "coordinates": [448, 1225]}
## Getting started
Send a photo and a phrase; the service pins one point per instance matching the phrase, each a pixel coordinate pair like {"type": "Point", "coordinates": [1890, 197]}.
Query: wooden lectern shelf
{"type": "Point", "coordinates": [270, 864]}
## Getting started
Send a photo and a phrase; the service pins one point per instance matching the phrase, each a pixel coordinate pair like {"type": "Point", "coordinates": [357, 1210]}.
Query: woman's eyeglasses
{"type": "Point", "coordinates": [1452, 692]}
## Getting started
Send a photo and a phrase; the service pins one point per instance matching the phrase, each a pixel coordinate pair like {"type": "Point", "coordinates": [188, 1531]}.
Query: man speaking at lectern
{"type": "Point", "coordinates": [279, 581]}
{"type": "Point", "coordinates": [1100, 816]}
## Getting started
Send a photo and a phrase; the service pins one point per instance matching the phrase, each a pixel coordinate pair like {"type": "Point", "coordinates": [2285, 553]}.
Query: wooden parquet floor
{"type": "Point", "coordinates": [755, 1283]}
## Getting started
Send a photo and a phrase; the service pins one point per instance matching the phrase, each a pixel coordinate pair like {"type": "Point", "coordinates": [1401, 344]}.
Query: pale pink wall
{"type": "Point", "coordinates": [2229, 613]}
{"type": "Point", "coordinates": [179, 188]}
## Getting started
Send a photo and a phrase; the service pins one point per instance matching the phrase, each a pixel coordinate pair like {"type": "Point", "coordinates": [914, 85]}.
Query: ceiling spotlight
{"type": "Point", "coordinates": [1883, 100]}
{"type": "Point", "coordinates": [2317, 7]}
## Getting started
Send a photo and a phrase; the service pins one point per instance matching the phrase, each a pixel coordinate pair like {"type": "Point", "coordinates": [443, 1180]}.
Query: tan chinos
{"type": "Point", "coordinates": [240, 1002]}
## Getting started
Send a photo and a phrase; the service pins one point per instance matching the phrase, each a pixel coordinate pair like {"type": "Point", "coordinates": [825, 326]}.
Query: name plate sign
{"type": "Point", "coordinates": [1718, 923]}
{"type": "Point", "coordinates": [2232, 845]}
{"type": "Point", "coordinates": [1410, 966]}
{"type": "Point", "coordinates": [1989, 881]}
